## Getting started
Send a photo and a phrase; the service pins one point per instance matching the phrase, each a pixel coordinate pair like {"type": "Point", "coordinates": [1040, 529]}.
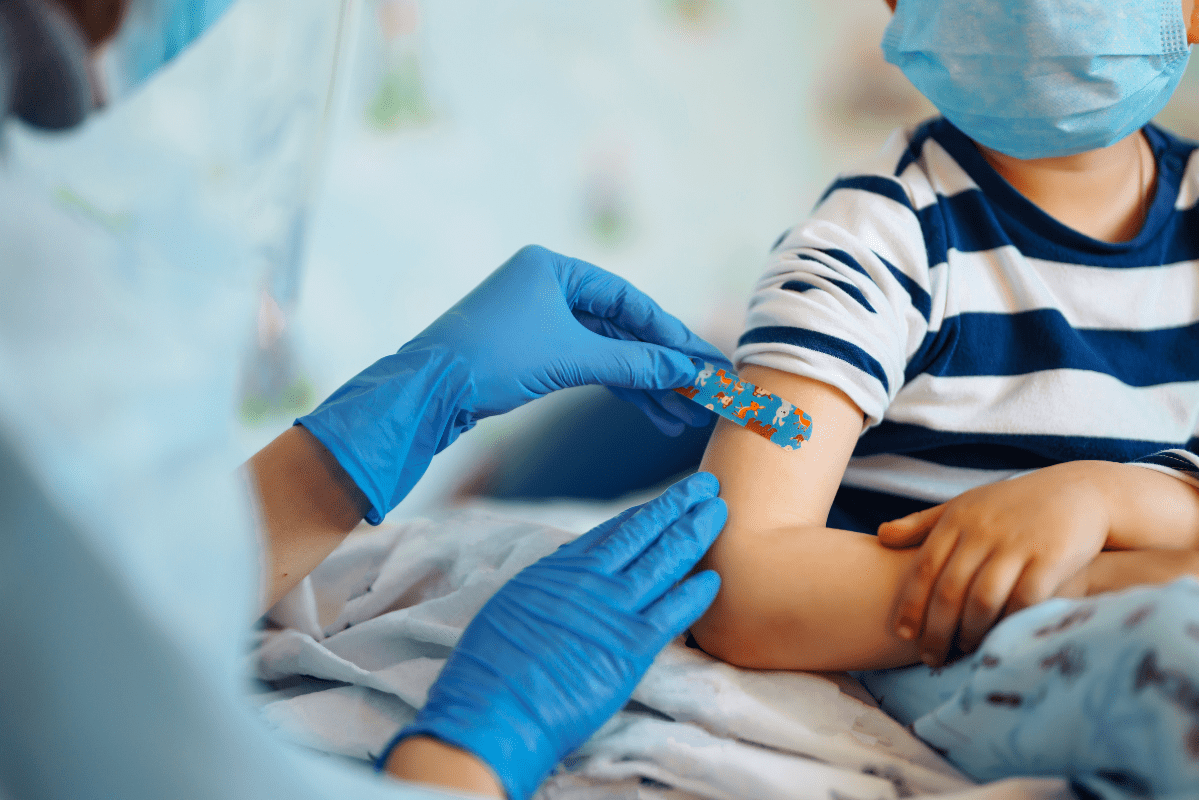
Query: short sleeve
{"type": "Point", "coordinates": [846, 296]}
{"type": "Point", "coordinates": [1178, 462]}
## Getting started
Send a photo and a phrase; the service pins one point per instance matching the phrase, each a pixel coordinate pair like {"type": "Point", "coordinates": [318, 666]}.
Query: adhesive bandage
{"type": "Point", "coordinates": [755, 409]}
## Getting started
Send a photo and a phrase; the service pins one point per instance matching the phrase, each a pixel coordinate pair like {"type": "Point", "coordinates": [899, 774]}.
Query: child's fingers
{"type": "Point", "coordinates": [944, 610]}
{"type": "Point", "coordinates": [914, 592]}
{"type": "Point", "coordinates": [1036, 584]}
{"type": "Point", "coordinates": [985, 601]}
{"type": "Point", "coordinates": [911, 530]}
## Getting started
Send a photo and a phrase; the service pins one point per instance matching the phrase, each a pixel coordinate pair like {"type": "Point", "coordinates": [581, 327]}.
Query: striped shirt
{"type": "Point", "coordinates": [981, 337]}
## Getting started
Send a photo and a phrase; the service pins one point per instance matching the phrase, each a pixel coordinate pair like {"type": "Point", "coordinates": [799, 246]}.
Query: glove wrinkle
{"type": "Point", "coordinates": [559, 649]}
{"type": "Point", "coordinates": [418, 397]}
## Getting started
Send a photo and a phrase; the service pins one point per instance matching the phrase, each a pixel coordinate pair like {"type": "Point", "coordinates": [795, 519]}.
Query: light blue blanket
{"type": "Point", "coordinates": [1101, 690]}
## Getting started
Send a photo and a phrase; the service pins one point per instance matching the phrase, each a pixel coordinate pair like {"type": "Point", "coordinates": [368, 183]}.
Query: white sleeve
{"type": "Point", "coordinates": [846, 297]}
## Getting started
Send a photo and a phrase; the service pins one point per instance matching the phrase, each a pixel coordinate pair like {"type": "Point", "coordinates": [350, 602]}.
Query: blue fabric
{"type": "Point", "coordinates": [1171, 460]}
{"type": "Point", "coordinates": [1041, 78]}
{"type": "Point", "coordinates": [1102, 690]}
{"type": "Point", "coordinates": [559, 649]}
{"type": "Point", "coordinates": [823, 342]}
{"type": "Point", "coordinates": [850, 289]}
{"type": "Point", "coordinates": [1030, 341]}
{"type": "Point", "coordinates": [864, 510]}
{"type": "Point", "coordinates": [996, 214]}
{"type": "Point", "coordinates": [540, 322]}
{"type": "Point", "coordinates": [1004, 450]}
{"type": "Point", "coordinates": [869, 183]}
{"type": "Point", "coordinates": [921, 300]}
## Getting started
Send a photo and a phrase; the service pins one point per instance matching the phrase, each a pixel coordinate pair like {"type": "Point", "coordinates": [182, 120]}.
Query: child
{"type": "Point", "coordinates": [994, 330]}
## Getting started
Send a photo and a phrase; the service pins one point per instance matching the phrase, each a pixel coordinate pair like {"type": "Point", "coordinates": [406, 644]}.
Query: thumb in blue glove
{"type": "Point", "coordinates": [539, 323]}
{"type": "Point", "coordinates": [559, 649]}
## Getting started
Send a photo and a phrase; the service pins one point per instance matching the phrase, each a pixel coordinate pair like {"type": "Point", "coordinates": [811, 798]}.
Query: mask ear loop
{"type": "Point", "coordinates": [46, 79]}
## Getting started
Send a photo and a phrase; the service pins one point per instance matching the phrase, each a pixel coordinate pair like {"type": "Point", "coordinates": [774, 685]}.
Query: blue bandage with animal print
{"type": "Point", "coordinates": [755, 409]}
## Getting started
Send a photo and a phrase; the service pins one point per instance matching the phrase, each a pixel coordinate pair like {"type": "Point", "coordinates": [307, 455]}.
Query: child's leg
{"type": "Point", "coordinates": [1101, 690]}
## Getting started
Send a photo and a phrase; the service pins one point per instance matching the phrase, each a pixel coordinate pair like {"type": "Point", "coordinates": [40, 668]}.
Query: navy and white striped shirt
{"type": "Point", "coordinates": [981, 337]}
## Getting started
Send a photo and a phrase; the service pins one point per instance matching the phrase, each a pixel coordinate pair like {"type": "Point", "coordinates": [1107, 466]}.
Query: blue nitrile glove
{"type": "Point", "coordinates": [559, 649]}
{"type": "Point", "coordinates": [540, 322]}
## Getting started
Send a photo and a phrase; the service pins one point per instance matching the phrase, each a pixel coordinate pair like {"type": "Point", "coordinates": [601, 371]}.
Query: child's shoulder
{"type": "Point", "coordinates": [914, 166]}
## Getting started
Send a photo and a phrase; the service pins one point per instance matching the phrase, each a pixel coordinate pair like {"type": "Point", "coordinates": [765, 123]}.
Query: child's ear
{"type": "Point", "coordinates": [1193, 27]}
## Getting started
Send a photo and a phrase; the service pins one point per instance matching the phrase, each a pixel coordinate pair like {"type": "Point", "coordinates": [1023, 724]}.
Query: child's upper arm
{"type": "Point", "coordinates": [795, 594]}
{"type": "Point", "coordinates": [767, 487]}
{"type": "Point", "coordinates": [846, 301]}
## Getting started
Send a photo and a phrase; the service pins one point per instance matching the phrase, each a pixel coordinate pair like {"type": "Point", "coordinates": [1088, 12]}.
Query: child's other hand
{"type": "Point", "coordinates": [994, 550]}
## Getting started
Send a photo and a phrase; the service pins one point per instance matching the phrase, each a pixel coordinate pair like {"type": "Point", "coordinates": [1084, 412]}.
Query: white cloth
{"type": "Point", "coordinates": [381, 614]}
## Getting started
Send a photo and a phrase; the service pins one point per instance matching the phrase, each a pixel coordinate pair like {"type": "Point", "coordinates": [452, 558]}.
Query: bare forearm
{"type": "Point", "coordinates": [308, 507]}
{"type": "Point", "coordinates": [1114, 570]}
{"type": "Point", "coordinates": [421, 759]}
{"type": "Point", "coordinates": [1147, 509]}
{"type": "Point", "coordinates": [805, 598]}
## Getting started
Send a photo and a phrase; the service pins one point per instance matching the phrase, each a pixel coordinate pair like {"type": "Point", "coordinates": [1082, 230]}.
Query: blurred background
{"type": "Point", "coordinates": [377, 158]}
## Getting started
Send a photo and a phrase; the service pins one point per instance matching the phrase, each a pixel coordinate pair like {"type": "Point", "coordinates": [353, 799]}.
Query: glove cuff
{"type": "Point", "coordinates": [385, 424]}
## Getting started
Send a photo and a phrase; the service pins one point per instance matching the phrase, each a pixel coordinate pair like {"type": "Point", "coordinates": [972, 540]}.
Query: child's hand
{"type": "Point", "coordinates": [994, 550]}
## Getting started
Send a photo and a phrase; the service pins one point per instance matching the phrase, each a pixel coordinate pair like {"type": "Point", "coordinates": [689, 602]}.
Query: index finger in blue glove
{"type": "Point", "coordinates": [635, 365]}
{"type": "Point", "coordinates": [665, 422]}
{"type": "Point", "coordinates": [626, 542]}
{"type": "Point", "coordinates": [619, 310]}
{"type": "Point", "coordinates": [674, 553]}
{"type": "Point", "coordinates": [690, 413]}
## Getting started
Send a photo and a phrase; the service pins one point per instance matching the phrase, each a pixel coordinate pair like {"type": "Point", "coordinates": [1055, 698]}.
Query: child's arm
{"type": "Point", "coordinates": [1114, 570]}
{"type": "Point", "coordinates": [798, 595]}
{"type": "Point", "coordinates": [795, 594]}
{"type": "Point", "coordinates": [1007, 545]}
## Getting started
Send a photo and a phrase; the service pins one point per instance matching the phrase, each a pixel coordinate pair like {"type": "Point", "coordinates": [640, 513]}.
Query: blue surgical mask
{"type": "Point", "coordinates": [1041, 78]}
{"type": "Point", "coordinates": [152, 33]}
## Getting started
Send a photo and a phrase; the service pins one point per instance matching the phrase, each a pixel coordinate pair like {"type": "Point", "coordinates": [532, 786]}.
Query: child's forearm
{"type": "Point", "coordinates": [1114, 570]}
{"type": "Point", "coordinates": [822, 599]}
{"type": "Point", "coordinates": [805, 598]}
{"type": "Point", "coordinates": [1147, 509]}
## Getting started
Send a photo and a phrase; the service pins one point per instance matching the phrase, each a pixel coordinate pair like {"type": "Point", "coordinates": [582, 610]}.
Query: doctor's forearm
{"type": "Point", "coordinates": [308, 506]}
{"type": "Point", "coordinates": [805, 598]}
{"type": "Point", "coordinates": [422, 759]}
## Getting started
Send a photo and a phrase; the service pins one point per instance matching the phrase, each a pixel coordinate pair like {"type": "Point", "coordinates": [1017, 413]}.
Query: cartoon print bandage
{"type": "Point", "coordinates": [755, 409]}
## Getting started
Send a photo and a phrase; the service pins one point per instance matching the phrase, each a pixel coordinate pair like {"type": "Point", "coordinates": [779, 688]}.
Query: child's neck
{"type": "Point", "coordinates": [1103, 193]}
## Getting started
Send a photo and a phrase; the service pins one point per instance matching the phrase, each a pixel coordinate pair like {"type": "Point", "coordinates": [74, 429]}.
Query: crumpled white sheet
{"type": "Point", "coordinates": [381, 614]}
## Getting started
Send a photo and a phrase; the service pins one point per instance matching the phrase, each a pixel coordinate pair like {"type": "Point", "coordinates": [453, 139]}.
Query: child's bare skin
{"type": "Point", "coordinates": [798, 595]}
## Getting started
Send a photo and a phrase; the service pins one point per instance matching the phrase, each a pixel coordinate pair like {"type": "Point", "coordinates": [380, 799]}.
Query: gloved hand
{"type": "Point", "coordinates": [559, 649]}
{"type": "Point", "coordinates": [540, 322]}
